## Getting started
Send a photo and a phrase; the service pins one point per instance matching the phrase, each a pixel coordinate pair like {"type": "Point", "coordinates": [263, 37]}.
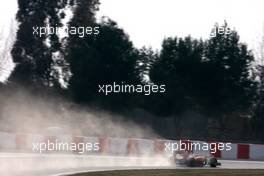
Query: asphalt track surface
{"type": "Point", "coordinates": [20, 164]}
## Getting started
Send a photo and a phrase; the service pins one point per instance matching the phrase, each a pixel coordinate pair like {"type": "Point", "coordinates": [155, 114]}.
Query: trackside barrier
{"type": "Point", "coordinates": [159, 147]}
{"type": "Point", "coordinates": [115, 146]}
{"type": "Point", "coordinates": [146, 147]}
{"type": "Point", "coordinates": [10, 142]}
{"type": "Point", "coordinates": [104, 145]}
{"type": "Point", "coordinates": [132, 147]}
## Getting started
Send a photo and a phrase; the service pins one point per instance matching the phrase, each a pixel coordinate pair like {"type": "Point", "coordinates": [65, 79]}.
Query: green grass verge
{"type": "Point", "coordinates": [195, 172]}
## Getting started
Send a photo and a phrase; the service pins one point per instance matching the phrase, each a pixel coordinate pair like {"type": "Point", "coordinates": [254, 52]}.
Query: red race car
{"type": "Point", "coordinates": [188, 159]}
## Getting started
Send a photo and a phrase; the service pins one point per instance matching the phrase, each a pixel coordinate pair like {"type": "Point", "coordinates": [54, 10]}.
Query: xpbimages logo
{"type": "Point", "coordinates": [80, 31]}
{"type": "Point", "coordinates": [146, 89]}
{"type": "Point", "coordinates": [60, 146]}
{"type": "Point", "coordinates": [197, 146]}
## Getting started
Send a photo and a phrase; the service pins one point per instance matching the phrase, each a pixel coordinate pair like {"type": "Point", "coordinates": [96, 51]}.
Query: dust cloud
{"type": "Point", "coordinates": [23, 111]}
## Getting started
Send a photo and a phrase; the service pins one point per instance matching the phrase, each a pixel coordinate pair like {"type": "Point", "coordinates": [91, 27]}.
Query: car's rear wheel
{"type": "Point", "coordinates": [213, 162]}
{"type": "Point", "coordinates": [191, 162]}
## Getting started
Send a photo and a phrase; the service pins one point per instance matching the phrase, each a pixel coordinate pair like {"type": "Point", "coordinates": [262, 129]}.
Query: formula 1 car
{"type": "Point", "coordinates": [185, 158]}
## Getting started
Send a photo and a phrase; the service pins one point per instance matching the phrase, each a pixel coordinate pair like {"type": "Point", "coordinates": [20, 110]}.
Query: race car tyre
{"type": "Point", "coordinates": [191, 162]}
{"type": "Point", "coordinates": [213, 162]}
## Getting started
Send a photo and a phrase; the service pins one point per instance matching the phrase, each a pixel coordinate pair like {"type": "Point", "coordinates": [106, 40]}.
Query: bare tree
{"type": "Point", "coordinates": [6, 63]}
